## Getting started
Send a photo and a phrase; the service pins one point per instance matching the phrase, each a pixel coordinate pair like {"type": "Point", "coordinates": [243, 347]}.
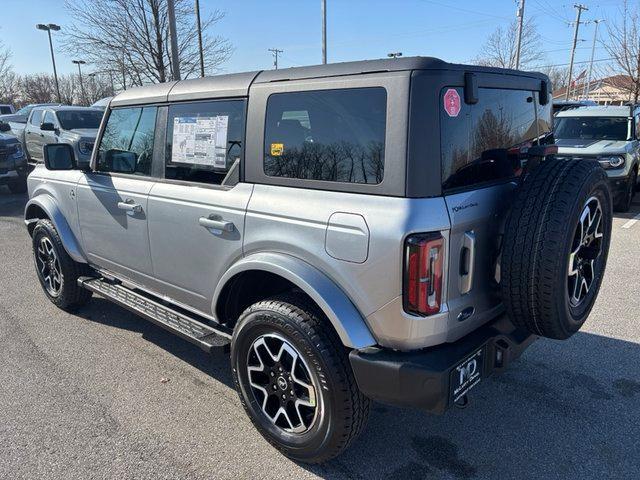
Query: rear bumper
{"type": "Point", "coordinates": [422, 378]}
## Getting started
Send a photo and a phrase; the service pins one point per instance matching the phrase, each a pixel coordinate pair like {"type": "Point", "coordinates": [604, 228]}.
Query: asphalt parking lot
{"type": "Point", "coordinates": [104, 394]}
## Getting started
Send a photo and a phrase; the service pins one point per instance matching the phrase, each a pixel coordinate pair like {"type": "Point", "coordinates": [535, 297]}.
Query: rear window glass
{"type": "Point", "coordinates": [330, 135]}
{"type": "Point", "coordinates": [4, 109]}
{"type": "Point", "coordinates": [591, 128]}
{"type": "Point", "coordinates": [72, 119]}
{"type": "Point", "coordinates": [481, 144]}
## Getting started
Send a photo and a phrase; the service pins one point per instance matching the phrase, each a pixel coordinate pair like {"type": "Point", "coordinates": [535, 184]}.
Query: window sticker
{"type": "Point", "coordinates": [277, 149]}
{"type": "Point", "coordinates": [200, 140]}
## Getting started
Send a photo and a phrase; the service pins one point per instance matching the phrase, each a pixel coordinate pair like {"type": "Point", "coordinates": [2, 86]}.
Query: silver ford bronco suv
{"type": "Point", "coordinates": [390, 230]}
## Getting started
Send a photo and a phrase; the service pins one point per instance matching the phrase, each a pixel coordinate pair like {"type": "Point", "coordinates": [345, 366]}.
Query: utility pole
{"type": "Point", "coordinates": [175, 61]}
{"type": "Point", "coordinates": [200, 38]}
{"type": "Point", "coordinates": [520, 15]}
{"type": "Point", "coordinates": [324, 31]}
{"type": "Point", "coordinates": [80, 62]}
{"type": "Point", "coordinates": [593, 51]}
{"type": "Point", "coordinates": [579, 8]}
{"type": "Point", "coordinates": [275, 52]}
{"type": "Point", "coordinates": [55, 28]}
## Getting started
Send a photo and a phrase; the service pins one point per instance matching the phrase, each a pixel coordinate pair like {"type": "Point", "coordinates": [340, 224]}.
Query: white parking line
{"type": "Point", "coordinates": [632, 222]}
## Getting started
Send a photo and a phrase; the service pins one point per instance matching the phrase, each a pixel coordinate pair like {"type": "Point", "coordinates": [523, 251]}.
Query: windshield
{"type": "Point", "coordinates": [25, 110]}
{"type": "Point", "coordinates": [591, 128]}
{"type": "Point", "coordinates": [72, 119]}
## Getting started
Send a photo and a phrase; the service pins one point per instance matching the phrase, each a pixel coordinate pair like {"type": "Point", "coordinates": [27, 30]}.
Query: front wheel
{"type": "Point", "coordinates": [295, 381]}
{"type": "Point", "coordinates": [57, 271]}
{"type": "Point", "coordinates": [624, 205]}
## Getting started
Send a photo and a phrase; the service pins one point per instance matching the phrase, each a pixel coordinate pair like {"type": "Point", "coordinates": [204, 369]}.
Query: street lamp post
{"type": "Point", "coordinates": [80, 62]}
{"type": "Point", "coordinates": [394, 54]}
{"type": "Point", "coordinates": [55, 28]}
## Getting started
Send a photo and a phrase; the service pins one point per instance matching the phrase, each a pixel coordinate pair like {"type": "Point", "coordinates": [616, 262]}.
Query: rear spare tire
{"type": "Point", "coordinates": [555, 247]}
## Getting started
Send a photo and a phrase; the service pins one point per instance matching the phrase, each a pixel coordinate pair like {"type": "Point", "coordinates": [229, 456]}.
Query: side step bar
{"type": "Point", "coordinates": [176, 322]}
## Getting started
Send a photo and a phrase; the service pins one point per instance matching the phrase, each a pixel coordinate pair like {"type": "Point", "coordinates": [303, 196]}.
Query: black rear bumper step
{"type": "Point", "coordinates": [422, 378]}
{"type": "Point", "coordinates": [164, 316]}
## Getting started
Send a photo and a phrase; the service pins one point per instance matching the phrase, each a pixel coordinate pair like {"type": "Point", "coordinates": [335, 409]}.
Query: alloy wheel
{"type": "Point", "coordinates": [282, 384]}
{"type": "Point", "coordinates": [48, 266]}
{"type": "Point", "coordinates": [585, 251]}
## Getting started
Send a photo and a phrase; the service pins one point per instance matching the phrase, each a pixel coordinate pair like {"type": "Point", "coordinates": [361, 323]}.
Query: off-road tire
{"type": "Point", "coordinates": [624, 205]}
{"type": "Point", "coordinates": [71, 295]}
{"type": "Point", "coordinates": [303, 325]}
{"type": "Point", "coordinates": [18, 186]}
{"type": "Point", "coordinates": [539, 236]}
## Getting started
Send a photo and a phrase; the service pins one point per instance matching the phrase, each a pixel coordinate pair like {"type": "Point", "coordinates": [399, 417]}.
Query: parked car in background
{"type": "Point", "coordinates": [13, 163]}
{"type": "Point", "coordinates": [21, 115]}
{"type": "Point", "coordinates": [76, 126]}
{"type": "Point", "coordinates": [607, 134]}
{"type": "Point", "coordinates": [562, 105]}
{"type": "Point", "coordinates": [103, 103]}
{"type": "Point", "coordinates": [6, 109]}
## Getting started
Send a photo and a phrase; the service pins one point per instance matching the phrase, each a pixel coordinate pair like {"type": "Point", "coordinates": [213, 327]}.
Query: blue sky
{"type": "Point", "coordinates": [357, 29]}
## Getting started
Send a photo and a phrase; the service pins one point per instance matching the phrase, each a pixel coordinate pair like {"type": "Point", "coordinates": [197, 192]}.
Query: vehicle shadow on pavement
{"type": "Point", "coordinates": [216, 364]}
{"type": "Point", "coordinates": [565, 410]}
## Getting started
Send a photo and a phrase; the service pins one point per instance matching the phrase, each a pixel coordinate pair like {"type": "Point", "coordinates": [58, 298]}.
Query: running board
{"type": "Point", "coordinates": [166, 317]}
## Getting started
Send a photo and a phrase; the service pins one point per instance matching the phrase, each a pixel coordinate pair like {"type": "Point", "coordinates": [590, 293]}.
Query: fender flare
{"type": "Point", "coordinates": [343, 315]}
{"type": "Point", "coordinates": [48, 204]}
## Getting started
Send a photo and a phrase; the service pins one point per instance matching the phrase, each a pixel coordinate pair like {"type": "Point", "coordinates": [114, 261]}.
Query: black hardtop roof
{"type": "Point", "coordinates": [238, 84]}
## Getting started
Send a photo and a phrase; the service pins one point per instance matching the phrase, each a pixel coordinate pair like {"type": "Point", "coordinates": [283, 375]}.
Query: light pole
{"type": "Point", "coordinates": [55, 28]}
{"type": "Point", "coordinates": [324, 31]}
{"type": "Point", "coordinates": [80, 62]}
{"type": "Point", "coordinates": [520, 15]}
{"type": "Point", "coordinates": [200, 38]}
{"type": "Point", "coordinates": [593, 51]}
{"type": "Point", "coordinates": [394, 54]}
{"type": "Point", "coordinates": [173, 34]}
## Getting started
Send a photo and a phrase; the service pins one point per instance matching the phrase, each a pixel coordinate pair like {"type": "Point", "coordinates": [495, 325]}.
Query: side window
{"type": "Point", "coordinates": [36, 118]}
{"type": "Point", "coordinates": [330, 135]}
{"type": "Point", "coordinates": [49, 117]}
{"type": "Point", "coordinates": [127, 141]}
{"type": "Point", "coordinates": [205, 141]}
{"type": "Point", "coordinates": [636, 121]}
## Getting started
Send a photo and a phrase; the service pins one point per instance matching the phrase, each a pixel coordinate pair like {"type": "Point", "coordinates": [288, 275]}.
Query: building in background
{"type": "Point", "coordinates": [614, 90]}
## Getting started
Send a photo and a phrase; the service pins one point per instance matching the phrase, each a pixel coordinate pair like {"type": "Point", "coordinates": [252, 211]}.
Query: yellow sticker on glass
{"type": "Point", "coordinates": [277, 149]}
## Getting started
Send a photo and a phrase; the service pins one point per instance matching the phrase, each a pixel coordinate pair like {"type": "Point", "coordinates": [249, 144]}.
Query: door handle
{"type": "Point", "coordinates": [467, 261]}
{"type": "Point", "coordinates": [216, 224]}
{"type": "Point", "coordinates": [130, 206]}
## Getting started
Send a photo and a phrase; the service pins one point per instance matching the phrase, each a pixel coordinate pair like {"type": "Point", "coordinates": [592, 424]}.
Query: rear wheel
{"type": "Point", "coordinates": [57, 271]}
{"type": "Point", "coordinates": [555, 248]}
{"type": "Point", "coordinates": [295, 381]}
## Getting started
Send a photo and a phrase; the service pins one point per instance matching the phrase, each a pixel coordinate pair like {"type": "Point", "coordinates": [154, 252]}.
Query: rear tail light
{"type": "Point", "coordinates": [424, 260]}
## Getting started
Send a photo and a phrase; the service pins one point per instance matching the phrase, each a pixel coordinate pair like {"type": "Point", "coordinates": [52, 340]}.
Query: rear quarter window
{"type": "Point", "coordinates": [481, 145]}
{"type": "Point", "coordinates": [330, 135]}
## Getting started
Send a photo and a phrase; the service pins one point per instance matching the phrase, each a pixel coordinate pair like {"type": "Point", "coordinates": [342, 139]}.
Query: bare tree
{"type": "Point", "coordinates": [500, 48]}
{"type": "Point", "coordinates": [132, 37]}
{"type": "Point", "coordinates": [9, 87]}
{"type": "Point", "coordinates": [38, 88]}
{"type": "Point", "coordinates": [557, 75]}
{"type": "Point", "coordinates": [623, 46]}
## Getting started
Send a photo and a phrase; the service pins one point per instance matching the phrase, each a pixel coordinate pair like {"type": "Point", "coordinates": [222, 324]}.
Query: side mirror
{"type": "Point", "coordinates": [59, 156]}
{"type": "Point", "coordinates": [4, 127]}
{"type": "Point", "coordinates": [120, 161]}
{"type": "Point", "coordinates": [47, 127]}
